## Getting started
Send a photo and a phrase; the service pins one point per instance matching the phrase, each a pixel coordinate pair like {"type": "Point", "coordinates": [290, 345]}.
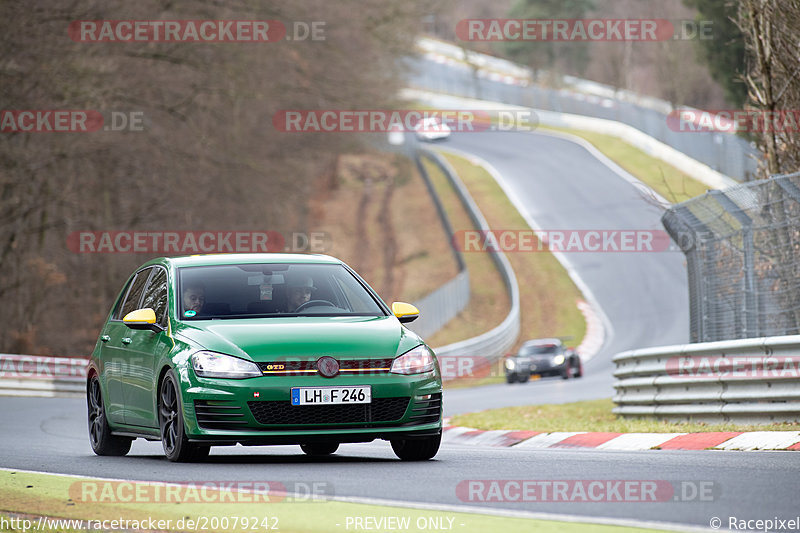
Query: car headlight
{"type": "Point", "coordinates": [510, 364]}
{"type": "Point", "coordinates": [415, 361]}
{"type": "Point", "coordinates": [217, 365]}
{"type": "Point", "coordinates": [557, 360]}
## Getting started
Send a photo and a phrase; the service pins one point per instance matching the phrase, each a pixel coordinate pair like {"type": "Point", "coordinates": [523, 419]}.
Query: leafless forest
{"type": "Point", "coordinates": [208, 157]}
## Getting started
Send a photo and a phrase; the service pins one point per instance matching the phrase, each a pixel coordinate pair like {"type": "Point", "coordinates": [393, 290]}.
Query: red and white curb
{"type": "Point", "coordinates": [729, 440]}
{"type": "Point", "coordinates": [595, 332]}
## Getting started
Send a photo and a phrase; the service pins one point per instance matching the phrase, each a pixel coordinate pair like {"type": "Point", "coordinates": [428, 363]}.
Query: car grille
{"type": "Point", "coordinates": [541, 364]}
{"type": "Point", "coordinates": [360, 366]}
{"type": "Point", "coordinates": [427, 411]}
{"type": "Point", "coordinates": [219, 414]}
{"type": "Point", "coordinates": [285, 414]}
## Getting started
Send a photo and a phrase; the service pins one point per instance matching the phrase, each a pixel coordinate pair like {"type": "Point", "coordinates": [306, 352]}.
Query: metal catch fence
{"type": "Point", "coordinates": [742, 248]}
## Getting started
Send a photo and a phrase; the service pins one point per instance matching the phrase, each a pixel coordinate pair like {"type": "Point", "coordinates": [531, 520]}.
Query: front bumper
{"type": "Point", "coordinates": [258, 410]}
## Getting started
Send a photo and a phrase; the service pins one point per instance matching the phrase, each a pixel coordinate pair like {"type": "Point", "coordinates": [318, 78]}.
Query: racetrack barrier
{"type": "Point", "coordinates": [496, 342]}
{"type": "Point", "coordinates": [753, 381]}
{"type": "Point", "coordinates": [445, 303]}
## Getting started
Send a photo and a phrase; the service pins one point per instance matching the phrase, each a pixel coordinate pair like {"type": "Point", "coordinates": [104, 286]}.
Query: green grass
{"type": "Point", "coordinates": [35, 495]}
{"type": "Point", "coordinates": [548, 296]}
{"type": "Point", "coordinates": [594, 415]}
{"type": "Point", "coordinates": [489, 302]}
{"type": "Point", "coordinates": [464, 382]}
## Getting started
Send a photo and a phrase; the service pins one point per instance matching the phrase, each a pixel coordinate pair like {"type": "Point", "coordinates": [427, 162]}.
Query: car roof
{"type": "Point", "coordinates": [235, 259]}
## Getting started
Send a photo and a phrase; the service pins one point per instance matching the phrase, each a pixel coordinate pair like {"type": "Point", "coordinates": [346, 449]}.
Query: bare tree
{"type": "Point", "coordinates": [771, 30]}
{"type": "Point", "coordinates": [773, 81]}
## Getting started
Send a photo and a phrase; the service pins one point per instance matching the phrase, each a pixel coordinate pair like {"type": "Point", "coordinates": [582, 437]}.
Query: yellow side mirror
{"type": "Point", "coordinates": [405, 312]}
{"type": "Point", "coordinates": [142, 319]}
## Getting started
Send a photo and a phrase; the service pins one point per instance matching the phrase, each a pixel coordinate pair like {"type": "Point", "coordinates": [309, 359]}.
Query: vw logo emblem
{"type": "Point", "coordinates": [327, 366]}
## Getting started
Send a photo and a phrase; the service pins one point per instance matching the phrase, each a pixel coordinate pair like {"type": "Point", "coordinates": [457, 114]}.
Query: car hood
{"type": "Point", "coordinates": [268, 339]}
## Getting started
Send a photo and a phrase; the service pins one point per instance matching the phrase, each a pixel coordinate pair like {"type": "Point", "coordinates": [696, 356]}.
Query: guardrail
{"type": "Point", "coordinates": [497, 341]}
{"type": "Point", "coordinates": [33, 375]}
{"type": "Point", "coordinates": [443, 304]}
{"type": "Point", "coordinates": [743, 381]}
{"type": "Point", "coordinates": [722, 152]}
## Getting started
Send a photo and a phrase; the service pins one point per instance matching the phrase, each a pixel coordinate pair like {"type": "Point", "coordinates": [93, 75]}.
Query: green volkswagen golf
{"type": "Point", "coordinates": [259, 349]}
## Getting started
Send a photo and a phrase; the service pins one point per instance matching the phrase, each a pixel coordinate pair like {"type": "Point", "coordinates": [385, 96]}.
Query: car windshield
{"type": "Point", "coordinates": [267, 290]}
{"type": "Point", "coordinates": [538, 349]}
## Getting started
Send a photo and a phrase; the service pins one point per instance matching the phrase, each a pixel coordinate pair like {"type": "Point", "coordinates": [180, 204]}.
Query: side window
{"type": "Point", "coordinates": [155, 296]}
{"type": "Point", "coordinates": [117, 314]}
{"type": "Point", "coordinates": [135, 293]}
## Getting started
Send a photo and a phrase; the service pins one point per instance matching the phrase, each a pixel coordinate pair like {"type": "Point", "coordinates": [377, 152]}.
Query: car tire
{"type": "Point", "coordinates": [579, 372]}
{"type": "Point", "coordinates": [567, 373]}
{"type": "Point", "coordinates": [319, 449]}
{"type": "Point", "coordinates": [100, 437]}
{"type": "Point", "coordinates": [511, 378]}
{"type": "Point", "coordinates": [176, 445]}
{"type": "Point", "coordinates": [525, 378]}
{"type": "Point", "coordinates": [417, 449]}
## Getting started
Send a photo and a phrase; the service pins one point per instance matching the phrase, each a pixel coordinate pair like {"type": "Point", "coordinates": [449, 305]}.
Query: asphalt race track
{"type": "Point", "coordinates": [50, 435]}
{"type": "Point", "coordinates": [643, 295]}
{"type": "Point", "coordinates": [562, 186]}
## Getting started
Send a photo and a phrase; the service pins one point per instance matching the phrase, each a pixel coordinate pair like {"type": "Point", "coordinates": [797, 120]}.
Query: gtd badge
{"type": "Point", "coordinates": [276, 367]}
{"type": "Point", "coordinates": [327, 366]}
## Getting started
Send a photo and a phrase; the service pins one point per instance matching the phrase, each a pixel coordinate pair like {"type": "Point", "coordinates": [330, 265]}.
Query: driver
{"type": "Point", "coordinates": [298, 292]}
{"type": "Point", "coordinates": [194, 297]}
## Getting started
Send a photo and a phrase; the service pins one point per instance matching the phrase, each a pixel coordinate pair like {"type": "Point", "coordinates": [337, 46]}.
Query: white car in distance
{"type": "Point", "coordinates": [431, 129]}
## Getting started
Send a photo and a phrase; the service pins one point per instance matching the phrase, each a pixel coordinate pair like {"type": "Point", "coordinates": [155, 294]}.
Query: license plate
{"type": "Point", "coordinates": [331, 395]}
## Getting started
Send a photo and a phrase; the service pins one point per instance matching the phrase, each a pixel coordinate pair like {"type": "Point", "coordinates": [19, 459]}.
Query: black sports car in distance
{"type": "Point", "coordinates": [543, 357]}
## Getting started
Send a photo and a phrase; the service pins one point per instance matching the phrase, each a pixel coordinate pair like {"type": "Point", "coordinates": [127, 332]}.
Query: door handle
{"type": "Point", "coordinates": [126, 340]}
{"type": "Point", "coordinates": [105, 338]}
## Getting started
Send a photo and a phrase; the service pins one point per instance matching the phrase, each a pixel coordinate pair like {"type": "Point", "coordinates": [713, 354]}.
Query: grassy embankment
{"type": "Point", "coordinates": [594, 415]}
{"type": "Point", "coordinates": [30, 496]}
